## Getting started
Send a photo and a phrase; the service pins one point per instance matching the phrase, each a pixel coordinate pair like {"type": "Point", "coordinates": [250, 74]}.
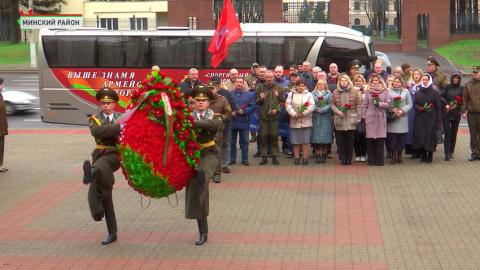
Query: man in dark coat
{"type": "Point", "coordinates": [99, 173]}
{"type": "Point", "coordinates": [196, 193]}
{"type": "Point", "coordinates": [471, 112]}
{"type": "Point", "coordinates": [3, 126]}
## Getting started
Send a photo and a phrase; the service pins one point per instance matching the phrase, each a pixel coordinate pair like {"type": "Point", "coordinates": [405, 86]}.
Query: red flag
{"type": "Point", "coordinates": [228, 31]}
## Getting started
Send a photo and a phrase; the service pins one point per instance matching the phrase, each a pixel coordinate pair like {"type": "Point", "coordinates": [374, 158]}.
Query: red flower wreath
{"type": "Point", "coordinates": [157, 146]}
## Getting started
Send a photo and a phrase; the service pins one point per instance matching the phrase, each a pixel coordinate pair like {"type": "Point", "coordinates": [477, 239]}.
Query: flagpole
{"type": "Point", "coordinates": [248, 52]}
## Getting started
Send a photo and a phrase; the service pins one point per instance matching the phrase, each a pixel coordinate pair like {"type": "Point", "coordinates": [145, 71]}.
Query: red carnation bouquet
{"type": "Point", "coordinates": [321, 102]}
{"type": "Point", "coordinates": [346, 107]}
{"type": "Point", "coordinates": [457, 101]}
{"type": "Point", "coordinates": [397, 102]}
{"type": "Point", "coordinates": [303, 107]}
{"type": "Point", "coordinates": [157, 145]}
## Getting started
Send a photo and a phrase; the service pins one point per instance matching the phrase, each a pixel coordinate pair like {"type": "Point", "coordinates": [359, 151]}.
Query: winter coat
{"type": "Point", "coordinates": [246, 101]}
{"type": "Point", "coordinates": [322, 123]}
{"type": "Point", "coordinates": [282, 82]}
{"type": "Point", "coordinates": [411, 114]}
{"type": "Point", "coordinates": [375, 116]}
{"type": "Point", "coordinates": [449, 96]}
{"type": "Point", "coordinates": [400, 125]}
{"type": "Point", "coordinates": [295, 102]}
{"type": "Point", "coordinates": [426, 122]}
{"type": "Point", "coordinates": [273, 98]}
{"type": "Point", "coordinates": [352, 116]}
{"type": "Point", "coordinates": [3, 117]}
{"type": "Point", "coordinates": [188, 85]}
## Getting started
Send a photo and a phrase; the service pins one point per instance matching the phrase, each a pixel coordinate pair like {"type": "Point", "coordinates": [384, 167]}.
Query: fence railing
{"type": "Point", "coordinates": [462, 24]}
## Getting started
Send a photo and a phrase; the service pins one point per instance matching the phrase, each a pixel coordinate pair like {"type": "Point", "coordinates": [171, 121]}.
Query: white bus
{"type": "Point", "coordinates": [74, 64]}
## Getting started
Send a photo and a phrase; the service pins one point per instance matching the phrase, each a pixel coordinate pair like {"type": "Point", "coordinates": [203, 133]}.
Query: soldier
{"type": "Point", "coordinates": [196, 194]}
{"type": "Point", "coordinates": [221, 108]}
{"type": "Point", "coordinates": [440, 80]}
{"type": "Point", "coordinates": [269, 96]}
{"type": "Point", "coordinates": [99, 173]}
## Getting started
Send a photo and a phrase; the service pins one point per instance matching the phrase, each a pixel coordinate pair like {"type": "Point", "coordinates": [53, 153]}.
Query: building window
{"type": "Point", "coordinates": [109, 23]}
{"type": "Point", "coordinates": [356, 21]}
{"type": "Point", "coordinates": [356, 5]}
{"type": "Point", "coordinates": [138, 23]}
{"type": "Point", "coordinates": [192, 23]}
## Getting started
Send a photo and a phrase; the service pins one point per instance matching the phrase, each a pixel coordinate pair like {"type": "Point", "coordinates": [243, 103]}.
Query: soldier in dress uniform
{"type": "Point", "coordinates": [196, 194]}
{"type": "Point", "coordinates": [440, 80]}
{"type": "Point", "coordinates": [105, 161]}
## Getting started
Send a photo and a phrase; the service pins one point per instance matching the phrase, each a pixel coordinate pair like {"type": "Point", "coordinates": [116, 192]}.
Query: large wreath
{"type": "Point", "coordinates": [157, 145]}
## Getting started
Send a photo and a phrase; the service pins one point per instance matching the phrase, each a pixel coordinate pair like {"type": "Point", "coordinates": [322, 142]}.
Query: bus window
{"type": "Point", "coordinates": [341, 51]}
{"type": "Point", "coordinates": [110, 52]}
{"type": "Point", "coordinates": [284, 50]}
{"type": "Point", "coordinates": [69, 51]}
{"type": "Point", "coordinates": [136, 51]}
{"type": "Point", "coordinates": [176, 52]}
{"type": "Point", "coordinates": [241, 54]}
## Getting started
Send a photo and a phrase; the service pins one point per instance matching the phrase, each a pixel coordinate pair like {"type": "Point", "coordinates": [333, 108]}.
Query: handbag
{"type": "Point", "coordinates": [439, 135]}
{"type": "Point", "coordinates": [390, 117]}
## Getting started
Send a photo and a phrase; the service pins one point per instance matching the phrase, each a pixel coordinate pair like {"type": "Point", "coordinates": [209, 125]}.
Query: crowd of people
{"type": "Point", "coordinates": [410, 112]}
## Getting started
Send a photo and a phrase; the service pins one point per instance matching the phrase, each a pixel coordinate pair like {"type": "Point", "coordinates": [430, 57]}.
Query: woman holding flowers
{"type": "Point", "coordinates": [322, 126]}
{"type": "Point", "coordinates": [376, 102]}
{"type": "Point", "coordinates": [346, 106]}
{"type": "Point", "coordinates": [451, 98]}
{"type": "Point", "coordinates": [427, 119]}
{"type": "Point", "coordinates": [360, 145]}
{"type": "Point", "coordinates": [398, 129]}
{"type": "Point", "coordinates": [414, 87]}
{"type": "Point", "coordinates": [300, 106]}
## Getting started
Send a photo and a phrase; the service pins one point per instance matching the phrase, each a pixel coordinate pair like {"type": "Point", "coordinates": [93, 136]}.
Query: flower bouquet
{"type": "Point", "coordinates": [427, 107]}
{"type": "Point", "coordinates": [345, 107]}
{"type": "Point", "coordinates": [321, 102]}
{"type": "Point", "coordinates": [457, 101]}
{"type": "Point", "coordinates": [376, 99]}
{"type": "Point", "coordinates": [303, 107]}
{"type": "Point", "coordinates": [157, 145]}
{"type": "Point", "coordinates": [397, 102]}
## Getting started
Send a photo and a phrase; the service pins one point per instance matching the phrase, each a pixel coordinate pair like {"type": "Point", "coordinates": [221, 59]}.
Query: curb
{"type": "Point", "coordinates": [19, 71]}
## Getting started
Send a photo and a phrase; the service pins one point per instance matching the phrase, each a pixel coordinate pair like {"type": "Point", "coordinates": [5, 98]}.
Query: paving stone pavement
{"type": "Point", "coordinates": [408, 216]}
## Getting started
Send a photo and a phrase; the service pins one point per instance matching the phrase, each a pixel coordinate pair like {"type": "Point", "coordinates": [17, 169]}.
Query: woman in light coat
{"type": "Point", "coordinates": [346, 106]}
{"type": "Point", "coordinates": [322, 129]}
{"type": "Point", "coordinates": [376, 102]}
{"type": "Point", "coordinates": [300, 106]}
{"type": "Point", "coordinates": [397, 130]}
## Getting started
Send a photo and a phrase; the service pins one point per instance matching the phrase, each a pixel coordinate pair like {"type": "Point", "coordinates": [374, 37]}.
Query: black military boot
{"type": "Point", "coordinates": [111, 227]}
{"type": "Point", "coordinates": [275, 161]}
{"type": "Point", "coordinates": [264, 161]}
{"type": "Point", "coordinates": [203, 231]}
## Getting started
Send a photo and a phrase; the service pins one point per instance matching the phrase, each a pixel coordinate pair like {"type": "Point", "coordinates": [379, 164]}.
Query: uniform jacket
{"type": "Point", "coordinates": [220, 105]}
{"type": "Point", "coordinates": [197, 192]}
{"type": "Point", "coordinates": [440, 80]}
{"type": "Point", "coordinates": [273, 98]}
{"type": "Point", "coordinates": [471, 96]}
{"type": "Point", "coordinates": [106, 161]}
{"type": "Point", "coordinates": [246, 101]}
{"type": "Point", "coordinates": [293, 105]}
{"type": "Point", "coordinates": [338, 100]}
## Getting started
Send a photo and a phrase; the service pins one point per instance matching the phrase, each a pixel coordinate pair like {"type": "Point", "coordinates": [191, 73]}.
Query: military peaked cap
{"type": "Point", "coordinates": [201, 92]}
{"type": "Point", "coordinates": [432, 60]}
{"type": "Point", "coordinates": [107, 94]}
